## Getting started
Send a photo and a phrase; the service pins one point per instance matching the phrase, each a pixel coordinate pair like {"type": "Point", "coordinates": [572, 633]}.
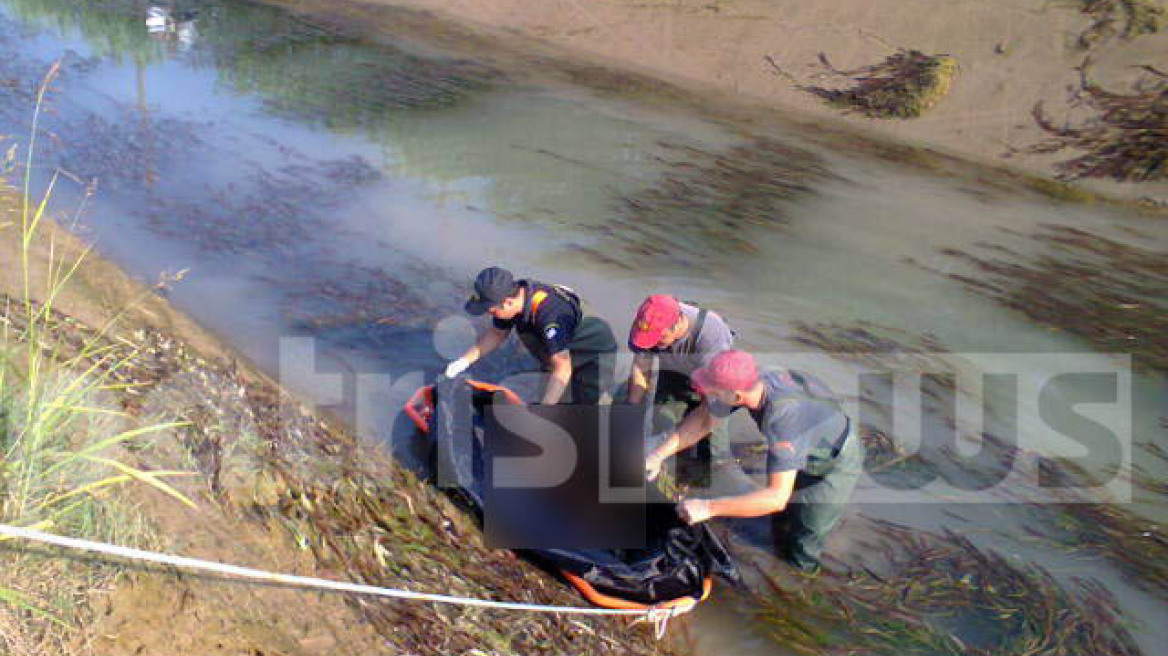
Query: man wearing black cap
{"type": "Point", "coordinates": [549, 321]}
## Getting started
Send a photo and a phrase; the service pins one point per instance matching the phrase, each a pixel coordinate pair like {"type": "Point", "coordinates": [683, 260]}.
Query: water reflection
{"type": "Point", "coordinates": [167, 26]}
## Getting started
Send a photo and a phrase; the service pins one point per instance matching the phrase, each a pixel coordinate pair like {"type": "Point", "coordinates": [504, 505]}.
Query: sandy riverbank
{"type": "Point", "coordinates": [1011, 56]}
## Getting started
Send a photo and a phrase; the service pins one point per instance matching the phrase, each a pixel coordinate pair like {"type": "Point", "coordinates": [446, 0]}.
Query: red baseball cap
{"type": "Point", "coordinates": [733, 371]}
{"type": "Point", "coordinates": [654, 317]}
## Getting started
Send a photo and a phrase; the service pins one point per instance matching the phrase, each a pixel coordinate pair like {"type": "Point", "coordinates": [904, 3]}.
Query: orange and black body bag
{"type": "Point", "coordinates": [675, 567]}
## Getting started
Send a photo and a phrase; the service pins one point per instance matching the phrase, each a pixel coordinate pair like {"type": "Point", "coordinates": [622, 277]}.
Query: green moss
{"type": "Point", "coordinates": [906, 85]}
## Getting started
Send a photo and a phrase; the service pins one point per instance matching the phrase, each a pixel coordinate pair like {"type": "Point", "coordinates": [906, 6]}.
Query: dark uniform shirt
{"type": "Point", "coordinates": [547, 325]}
{"type": "Point", "coordinates": [793, 421]}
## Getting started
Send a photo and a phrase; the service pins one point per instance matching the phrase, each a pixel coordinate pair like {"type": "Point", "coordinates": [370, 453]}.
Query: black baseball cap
{"type": "Point", "coordinates": [490, 288]}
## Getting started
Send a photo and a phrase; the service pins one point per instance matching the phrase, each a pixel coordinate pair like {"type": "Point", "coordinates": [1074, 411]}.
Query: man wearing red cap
{"type": "Point", "coordinates": [681, 338]}
{"type": "Point", "coordinates": [813, 455]}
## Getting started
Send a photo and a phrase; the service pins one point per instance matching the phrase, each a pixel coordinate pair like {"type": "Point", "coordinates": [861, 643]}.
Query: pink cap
{"type": "Point", "coordinates": [654, 317]}
{"type": "Point", "coordinates": [733, 371]}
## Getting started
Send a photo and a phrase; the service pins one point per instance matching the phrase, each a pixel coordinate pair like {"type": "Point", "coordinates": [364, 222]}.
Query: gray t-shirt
{"type": "Point", "coordinates": [694, 351]}
{"type": "Point", "coordinates": [793, 422]}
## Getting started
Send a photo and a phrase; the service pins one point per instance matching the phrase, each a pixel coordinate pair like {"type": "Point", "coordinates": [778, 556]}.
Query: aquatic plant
{"type": "Point", "coordinates": [345, 301]}
{"type": "Point", "coordinates": [343, 83]}
{"type": "Point", "coordinates": [705, 198]}
{"type": "Point", "coordinates": [874, 345]}
{"type": "Point", "coordinates": [882, 349]}
{"type": "Point", "coordinates": [1100, 529]}
{"type": "Point", "coordinates": [112, 27]}
{"type": "Point", "coordinates": [1109, 293]}
{"type": "Point", "coordinates": [309, 68]}
{"type": "Point", "coordinates": [942, 594]}
{"type": "Point", "coordinates": [905, 85]}
{"type": "Point", "coordinates": [1127, 137]}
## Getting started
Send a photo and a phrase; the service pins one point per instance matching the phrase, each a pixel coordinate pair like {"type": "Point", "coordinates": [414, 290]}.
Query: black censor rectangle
{"type": "Point", "coordinates": [564, 477]}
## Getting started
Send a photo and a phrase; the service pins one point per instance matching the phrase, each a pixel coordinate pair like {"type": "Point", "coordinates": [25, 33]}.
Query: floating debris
{"type": "Point", "coordinates": [905, 85]}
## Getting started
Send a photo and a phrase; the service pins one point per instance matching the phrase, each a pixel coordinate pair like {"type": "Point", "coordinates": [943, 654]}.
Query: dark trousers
{"type": "Point", "coordinates": [817, 503]}
{"type": "Point", "coordinates": [593, 352]}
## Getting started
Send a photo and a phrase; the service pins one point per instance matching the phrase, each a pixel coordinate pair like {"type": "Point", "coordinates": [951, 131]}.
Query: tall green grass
{"type": "Point", "coordinates": [62, 463]}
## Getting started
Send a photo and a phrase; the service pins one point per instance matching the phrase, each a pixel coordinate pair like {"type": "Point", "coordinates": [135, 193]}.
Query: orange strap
{"type": "Point", "coordinates": [536, 299]}
{"type": "Point", "coordinates": [607, 601]}
{"type": "Point", "coordinates": [420, 407]}
{"type": "Point", "coordinates": [511, 397]}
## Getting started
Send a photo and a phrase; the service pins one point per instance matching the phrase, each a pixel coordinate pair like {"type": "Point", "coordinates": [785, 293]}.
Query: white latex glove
{"type": "Point", "coordinates": [653, 467]}
{"type": "Point", "coordinates": [456, 367]}
{"type": "Point", "coordinates": [694, 511]}
{"type": "Point", "coordinates": [653, 462]}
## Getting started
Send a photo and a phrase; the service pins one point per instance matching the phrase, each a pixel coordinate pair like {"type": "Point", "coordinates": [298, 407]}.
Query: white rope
{"type": "Point", "coordinates": [304, 581]}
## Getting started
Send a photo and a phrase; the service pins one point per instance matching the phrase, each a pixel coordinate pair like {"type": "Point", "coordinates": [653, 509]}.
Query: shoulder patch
{"type": "Point", "coordinates": [551, 331]}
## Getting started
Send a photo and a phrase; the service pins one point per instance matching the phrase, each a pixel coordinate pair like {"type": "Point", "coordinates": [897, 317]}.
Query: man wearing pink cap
{"type": "Point", "coordinates": [681, 338]}
{"type": "Point", "coordinates": [813, 455]}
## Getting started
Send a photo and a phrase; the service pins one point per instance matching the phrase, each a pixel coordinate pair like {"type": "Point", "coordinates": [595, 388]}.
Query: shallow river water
{"type": "Point", "coordinates": [332, 192]}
